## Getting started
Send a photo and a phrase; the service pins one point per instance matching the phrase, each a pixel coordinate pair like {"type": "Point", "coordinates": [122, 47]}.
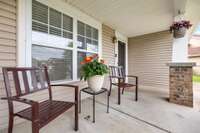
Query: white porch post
{"type": "Point", "coordinates": [180, 49]}
{"type": "Point", "coordinates": [21, 35]}
{"type": "Point", "coordinates": [24, 32]}
{"type": "Point", "coordinates": [180, 45]}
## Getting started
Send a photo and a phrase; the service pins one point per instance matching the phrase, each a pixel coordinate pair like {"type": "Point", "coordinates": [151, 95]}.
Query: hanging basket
{"type": "Point", "coordinates": [179, 33]}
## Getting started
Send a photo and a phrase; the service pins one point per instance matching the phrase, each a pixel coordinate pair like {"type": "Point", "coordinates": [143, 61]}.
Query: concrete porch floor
{"type": "Point", "coordinates": [151, 114]}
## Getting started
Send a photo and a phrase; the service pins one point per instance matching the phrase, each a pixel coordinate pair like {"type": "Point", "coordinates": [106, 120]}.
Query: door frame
{"type": "Point", "coordinates": [123, 39]}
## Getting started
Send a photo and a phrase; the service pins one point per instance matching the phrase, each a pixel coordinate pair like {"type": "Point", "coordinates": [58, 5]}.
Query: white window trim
{"type": "Point", "coordinates": [24, 31]}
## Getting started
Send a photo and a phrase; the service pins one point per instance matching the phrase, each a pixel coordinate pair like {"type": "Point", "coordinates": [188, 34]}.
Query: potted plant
{"type": "Point", "coordinates": [93, 71]}
{"type": "Point", "coordinates": [179, 28]}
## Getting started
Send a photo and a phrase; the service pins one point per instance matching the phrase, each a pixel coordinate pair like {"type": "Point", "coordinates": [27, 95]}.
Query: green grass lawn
{"type": "Point", "coordinates": [196, 78]}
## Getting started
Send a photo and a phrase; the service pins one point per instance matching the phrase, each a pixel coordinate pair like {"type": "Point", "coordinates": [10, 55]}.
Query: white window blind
{"type": "Point", "coordinates": [54, 18]}
{"type": "Point", "coordinates": [40, 17]}
{"type": "Point", "coordinates": [87, 37]}
{"type": "Point", "coordinates": [39, 12]}
{"type": "Point", "coordinates": [49, 20]}
{"type": "Point", "coordinates": [67, 23]}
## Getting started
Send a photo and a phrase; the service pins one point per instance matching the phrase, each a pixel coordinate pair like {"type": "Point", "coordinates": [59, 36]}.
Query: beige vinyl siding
{"type": "Point", "coordinates": [7, 48]}
{"type": "Point", "coordinates": [108, 47]}
{"type": "Point", "coordinates": [147, 58]}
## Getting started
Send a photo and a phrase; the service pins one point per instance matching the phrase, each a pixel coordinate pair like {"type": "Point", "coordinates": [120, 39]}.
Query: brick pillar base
{"type": "Point", "coordinates": [181, 86]}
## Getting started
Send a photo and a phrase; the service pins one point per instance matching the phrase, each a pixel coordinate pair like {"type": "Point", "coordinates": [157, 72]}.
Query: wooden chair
{"type": "Point", "coordinates": [117, 73]}
{"type": "Point", "coordinates": [39, 113]}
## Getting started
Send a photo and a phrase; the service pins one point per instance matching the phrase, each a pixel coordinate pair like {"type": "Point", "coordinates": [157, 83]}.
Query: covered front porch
{"type": "Point", "coordinates": [128, 33]}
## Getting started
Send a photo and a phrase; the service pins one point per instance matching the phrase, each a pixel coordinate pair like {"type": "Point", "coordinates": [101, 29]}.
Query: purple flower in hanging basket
{"type": "Point", "coordinates": [180, 24]}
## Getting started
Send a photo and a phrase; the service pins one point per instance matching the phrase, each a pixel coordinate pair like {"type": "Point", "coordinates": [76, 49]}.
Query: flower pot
{"type": "Point", "coordinates": [179, 33]}
{"type": "Point", "coordinates": [96, 82]}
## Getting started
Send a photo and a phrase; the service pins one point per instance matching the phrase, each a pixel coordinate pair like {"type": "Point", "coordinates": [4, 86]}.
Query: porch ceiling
{"type": "Point", "coordinates": [131, 17]}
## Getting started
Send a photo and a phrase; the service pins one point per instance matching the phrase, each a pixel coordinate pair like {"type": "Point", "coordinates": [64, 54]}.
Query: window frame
{"type": "Point", "coordinates": [64, 8]}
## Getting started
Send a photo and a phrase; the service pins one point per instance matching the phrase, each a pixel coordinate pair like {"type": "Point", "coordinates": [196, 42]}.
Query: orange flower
{"type": "Point", "coordinates": [88, 59]}
{"type": "Point", "coordinates": [102, 61]}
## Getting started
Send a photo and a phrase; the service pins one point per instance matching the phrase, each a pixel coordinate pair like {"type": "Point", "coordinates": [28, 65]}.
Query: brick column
{"type": "Point", "coordinates": [180, 86]}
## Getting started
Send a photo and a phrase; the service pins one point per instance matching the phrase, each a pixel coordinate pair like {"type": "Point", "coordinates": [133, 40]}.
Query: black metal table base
{"type": "Point", "coordinates": [93, 93]}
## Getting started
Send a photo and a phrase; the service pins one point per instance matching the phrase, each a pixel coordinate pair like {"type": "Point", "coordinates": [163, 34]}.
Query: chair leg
{"type": "Point", "coordinates": [123, 91]}
{"type": "Point", "coordinates": [76, 117]}
{"type": "Point", "coordinates": [110, 89]}
{"type": "Point", "coordinates": [119, 94]}
{"type": "Point", "coordinates": [10, 125]}
{"type": "Point", "coordinates": [35, 127]}
{"type": "Point", "coordinates": [136, 93]}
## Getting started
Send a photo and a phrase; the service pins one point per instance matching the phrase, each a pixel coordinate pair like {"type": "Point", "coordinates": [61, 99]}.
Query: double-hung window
{"type": "Point", "coordinates": [53, 42]}
{"type": "Point", "coordinates": [87, 42]}
{"type": "Point", "coordinates": [52, 35]}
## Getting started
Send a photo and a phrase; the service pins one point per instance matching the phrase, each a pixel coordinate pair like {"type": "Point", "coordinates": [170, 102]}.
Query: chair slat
{"type": "Point", "coordinates": [34, 80]}
{"type": "Point", "coordinates": [113, 69]}
{"type": "Point", "coordinates": [48, 82]}
{"type": "Point", "coordinates": [119, 71]}
{"type": "Point", "coordinates": [17, 83]}
{"type": "Point", "coordinates": [30, 80]}
{"type": "Point", "coordinates": [123, 72]}
{"type": "Point", "coordinates": [41, 79]}
{"type": "Point", "coordinates": [26, 84]}
{"type": "Point", "coordinates": [7, 83]}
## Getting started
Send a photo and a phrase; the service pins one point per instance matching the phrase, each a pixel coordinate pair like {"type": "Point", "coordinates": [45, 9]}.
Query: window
{"type": "Point", "coordinates": [80, 58]}
{"type": "Point", "coordinates": [59, 61]}
{"type": "Point", "coordinates": [57, 23]}
{"type": "Point", "coordinates": [53, 42]}
{"type": "Point", "coordinates": [87, 37]}
{"type": "Point", "coordinates": [57, 57]}
{"type": "Point", "coordinates": [87, 45]}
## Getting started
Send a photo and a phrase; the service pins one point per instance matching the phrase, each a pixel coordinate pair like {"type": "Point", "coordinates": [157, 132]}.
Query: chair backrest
{"type": "Point", "coordinates": [116, 71]}
{"type": "Point", "coordinates": [26, 80]}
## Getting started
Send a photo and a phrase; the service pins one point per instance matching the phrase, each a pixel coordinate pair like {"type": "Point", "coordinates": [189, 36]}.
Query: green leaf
{"type": "Point", "coordinates": [93, 68]}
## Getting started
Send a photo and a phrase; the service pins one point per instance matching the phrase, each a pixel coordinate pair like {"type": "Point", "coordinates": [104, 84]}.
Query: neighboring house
{"type": "Point", "coordinates": [194, 54]}
{"type": "Point", "coordinates": [57, 32]}
{"type": "Point", "coordinates": [194, 51]}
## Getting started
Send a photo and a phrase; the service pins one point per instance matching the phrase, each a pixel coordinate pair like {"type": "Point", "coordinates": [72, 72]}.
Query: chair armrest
{"type": "Point", "coordinates": [66, 85]}
{"type": "Point", "coordinates": [118, 77]}
{"type": "Point", "coordinates": [131, 76]}
{"type": "Point", "coordinates": [21, 100]}
{"type": "Point", "coordinates": [136, 78]}
{"type": "Point", "coordinates": [72, 86]}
